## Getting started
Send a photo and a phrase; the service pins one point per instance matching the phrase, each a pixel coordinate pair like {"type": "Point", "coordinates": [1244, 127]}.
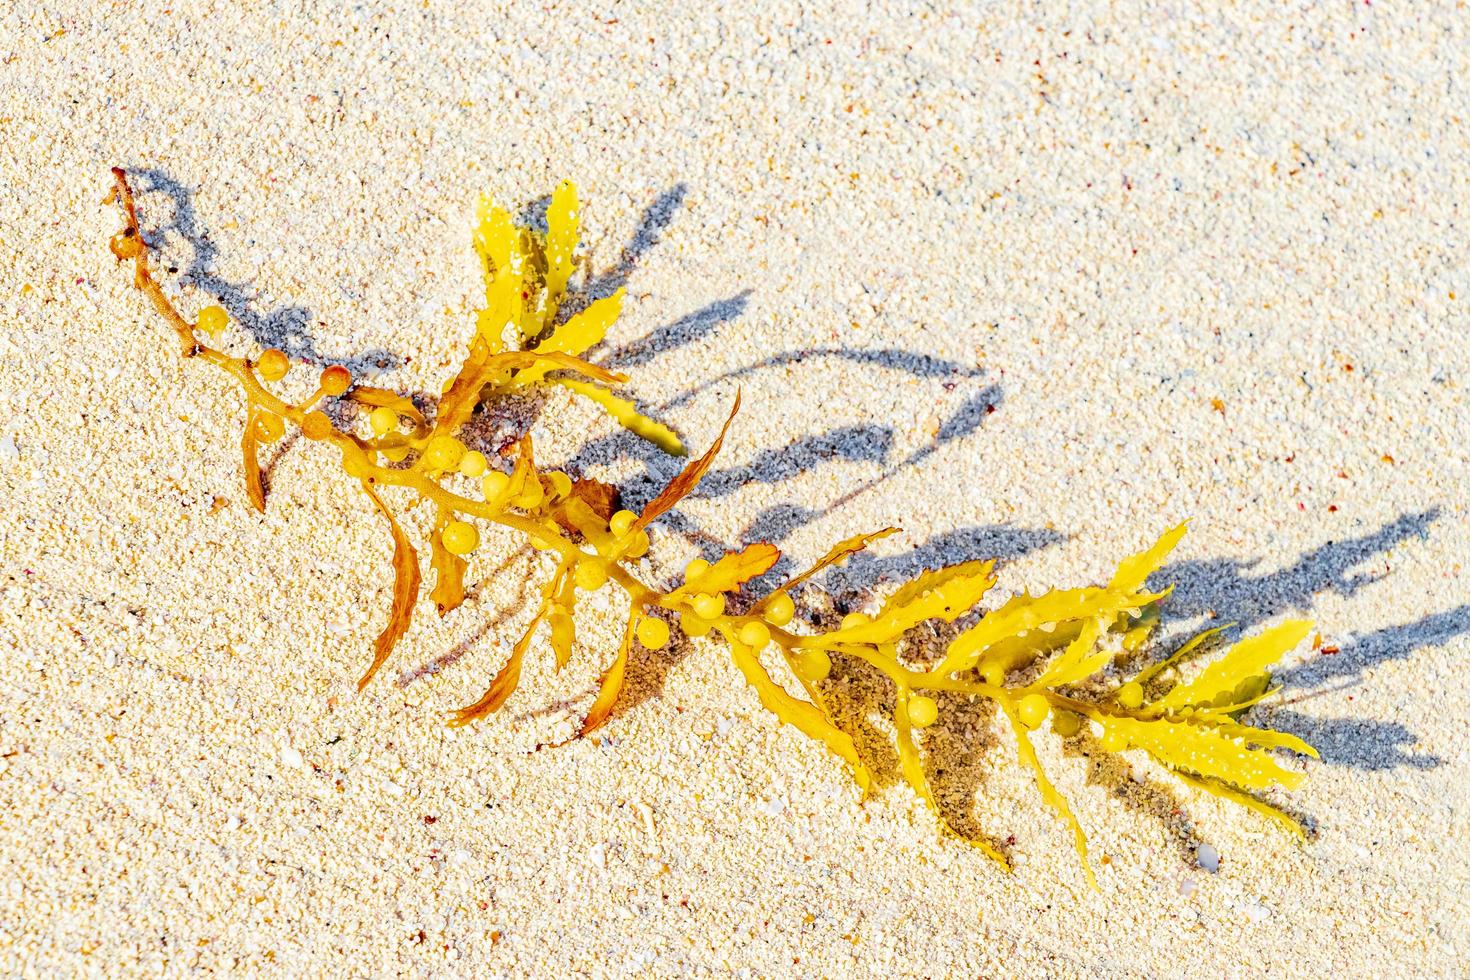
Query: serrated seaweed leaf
{"type": "Point", "coordinates": [804, 716]}
{"type": "Point", "coordinates": [1246, 659]}
{"type": "Point", "coordinates": [249, 447]}
{"type": "Point", "coordinates": [680, 486]}
{"type": "Point", "coordinates": [601, 498]}
{"type": "Point", "coordinates": [1134, 570]}
{"type": "Point", "coordinates": [506, 680]}
{"type": "Point", "coordinates": [1081, 659]}
{"type": "Point", "coordinates": [463, 394]}
{"type": "Point", "coordinates": [838, 554]}
{"type": "Point", "coordinates": [627, 415]}
{"type": "Point", "coordinates": [563, 609]}
{"type": "Point", "coordinates": [913, 773]}
{"type": "Point", "coordinates": [1053, 797]}
{"type": "Point", "coordinates": [1022, 614]}
{"type": "Point", "coordinates": [1205, 750]}
{"type": "Point", "coordinates": [495, 235]}
{"type": "Point", "coordinates": [970, 571]}
{"type": "Point", "coordinates": [732, 570]}
{"type": "Point", "coordinates": [585, 330]}
{"type": "Point", "coordinates": [1266, 738]}
{"type": "Point", "coordinates": [563, 230]}
{"type": "Point", "coordinates": [531, 361]}
{"type": "Point", "coordinates": [405, 588]}
{"type": "Point", "coordinates": [449, 569]}
{"type": "Point", "coordinates": [1194, 643]}
{"type": "Point", "coordinates": [610, 685]}
{"type": "Point", "coordinates": [1225, 791]}
{"type": "Point", "coordinates": [945, 596]}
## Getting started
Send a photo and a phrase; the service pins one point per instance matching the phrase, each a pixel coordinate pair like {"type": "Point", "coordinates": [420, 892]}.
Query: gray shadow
{"type": "Point", "coordinates": [288, 328]}
{"type": "Point", "coordinates": [1225, 589]}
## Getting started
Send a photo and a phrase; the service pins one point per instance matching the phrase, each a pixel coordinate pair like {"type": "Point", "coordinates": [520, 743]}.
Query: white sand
{"type": "Point", "coordinates": [1114, 219]}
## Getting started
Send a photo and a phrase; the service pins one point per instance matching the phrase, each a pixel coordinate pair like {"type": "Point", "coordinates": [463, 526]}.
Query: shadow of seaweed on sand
{"type": "Point", "coordinates": [1358, 742]}
{"type": "Point", "coordinates": [288, 328]}
{"type": "Point", "coordinates": [1225, 589]}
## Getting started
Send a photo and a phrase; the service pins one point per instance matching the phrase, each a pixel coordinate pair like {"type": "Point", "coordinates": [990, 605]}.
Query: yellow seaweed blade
{"type": "Point", "coordinates": [495, 236]}
{"type": "Point", "coordinates": [936, 578]}
{"type": "Point", "coordinates": [686, 479]}
{"type": "Point", "coordinates": [1185, 650]}
{"type": "Point", "coordinates": [581, 332]}
{"type": "Point", "coordinates": [449, 569]}
{"type": "Point", "coordinates": [732, 570]}
{"type": "Point", "coordinates": [838, 554]}
{"type": "Point", "coordinates": [1246, 659]}
{"type": "Point", "coordinates": [1134, 570]}
{"type": "Point", "coordinates": [1205, 750]}
{"type": "Point", "coordinates": [1080, 659]}
{"type": "Point", "coordinates": [563, 635]}
{"type": "Point", "coordinates": [1227, 792]}
{"type": "Point", "coordinates": [913, 774]}
{"type": "Point", "coordinates": [563, 229]}
{"type": "Point", "coordinates": [1053, 797]}
{"type": "Point", "coordinates": [1023, 614]}
{"type": "Point", "coordinates": [505, 683]}
{"type": "Point", "coordinates": [623, 412]}
{"type": "Point", "coordinates": [947, 597]}
{"type": "Point", "coordinates": [610, 686]}
{"type": "Point", "coordinates": [504, 304]}
{"type": "Point", "coordinates": [1267, 738]}
{"type": "Point", "coordinates": [405, 588]}
{"type": "Point", "coordinates": [806, 717]}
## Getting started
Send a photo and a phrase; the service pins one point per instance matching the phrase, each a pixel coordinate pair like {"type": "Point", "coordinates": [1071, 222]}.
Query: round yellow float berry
{"type": "Point", "coordinates": [993, 674]}
{"type": "Point", "coordinates": [1130, 695]}
{"type": "Point", "coordinates": [561, 484]}
{"type": "Point", "coordinates": [213, 320]}
{"type": "Point", "coordinates": [443, 452]}
{"type": "Point", "coordinates": [335, 380]}
{"type": "Point", "coordinates": [780, 609]}
{"type": "Point", "coordinates": [653, 633]}
{"type": "Point", "coordinates": [494, 484]}
{"type": "Point", "coordinates": [316, 426]}
{"type": "Point", "coordinates": [269, 428]}
{"type": "Point", "coordinates": [923, 711]}
{"type": "Point", "coordinates": [755, 634]}
{"type": "Point", "coordinates": [1066, 723]}
{"type": "Point", "coordinates": [590, 575]}
{"type": "Point", "coordinates": [1032, 710]}
{"type": "Point", "coordinates": [708, 606]}
{"type": "Point", "coordinates": [473, 463]}
{"type": "Point", "coordinates": [692, 625]}
{"type": "Point", "coordinates": [383, 420]}
{"type": "Point", "coordinates": [459, 537]}
{"type": "Point", "coordinates": [622, 522]}
{"type": "Point", "coordinates": [273, 365]}
{"type": "Point", "coordinates": [530, 498]}
{"type": "Point", "coordinates": [813, 665]}
{"type": "Point", "coordinates": [637, 545]}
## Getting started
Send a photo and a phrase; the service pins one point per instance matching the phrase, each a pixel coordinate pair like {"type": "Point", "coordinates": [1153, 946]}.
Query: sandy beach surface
{"type": "Point", "coordinates": [1032, 283]}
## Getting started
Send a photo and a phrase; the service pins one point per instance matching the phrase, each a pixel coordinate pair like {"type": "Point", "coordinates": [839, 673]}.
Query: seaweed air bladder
{"type": "Point", "coordinates": [1042, 660]}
